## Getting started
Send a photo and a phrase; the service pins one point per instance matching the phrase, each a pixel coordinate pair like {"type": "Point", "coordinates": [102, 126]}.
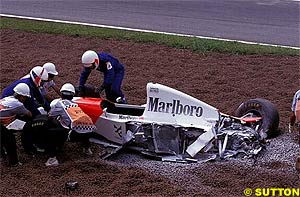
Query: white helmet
{"type": "Point", "coordinates": [22, 89]}
{"type": "Point", "coordinates": [50, 67]}
{"type": "Point", "coordinates": [90, 57]}
{"type": "Point", "coordinates": [38, 74]}
{"type": "Point", "coordinates": [68, 88]}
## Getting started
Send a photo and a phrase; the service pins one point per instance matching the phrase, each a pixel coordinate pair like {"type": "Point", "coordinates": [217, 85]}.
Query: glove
{"type": "Point", "coordinates": [121, 100]}
{"type": "Point", "coordinates": [100, 89]}
{"type": "Point", "coordinates": [81, 91]}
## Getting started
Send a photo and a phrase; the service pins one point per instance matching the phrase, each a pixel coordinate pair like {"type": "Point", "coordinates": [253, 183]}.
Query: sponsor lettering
{"type": "Point", "coordinates": [174, 107]}
{"type": "Point", "coordinates": [118, 130]}
{"type": "Point", "coordinates": [155, 90]}
{"type": "Point", "coordinates": [126, 117]}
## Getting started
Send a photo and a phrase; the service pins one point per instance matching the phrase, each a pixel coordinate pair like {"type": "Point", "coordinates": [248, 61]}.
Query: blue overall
{"type": "Point", "coordinates": [35, 93]}
{"type": "Point", "coordinates": [113, 76]}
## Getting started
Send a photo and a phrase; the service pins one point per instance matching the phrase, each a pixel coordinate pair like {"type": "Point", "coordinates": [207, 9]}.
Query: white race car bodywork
{"type": "Point", "coordinates": [172, 123]}
{"type": "Point", "coordinates": [164, 106]}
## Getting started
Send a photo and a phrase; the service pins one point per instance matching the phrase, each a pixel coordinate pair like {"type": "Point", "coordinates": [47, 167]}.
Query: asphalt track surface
{"type": "Point", "coordinates": [263, 21]}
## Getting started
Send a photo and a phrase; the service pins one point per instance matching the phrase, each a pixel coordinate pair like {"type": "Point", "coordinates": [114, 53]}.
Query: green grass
{"type": "Point", "coordinates": [192, 43]}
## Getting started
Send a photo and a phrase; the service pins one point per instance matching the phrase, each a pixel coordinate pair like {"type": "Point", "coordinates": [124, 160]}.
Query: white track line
{"type": "Point", "coordinates": [142, 30]}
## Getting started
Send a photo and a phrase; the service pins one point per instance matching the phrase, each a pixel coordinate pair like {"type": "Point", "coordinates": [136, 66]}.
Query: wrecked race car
{"type": "Point", "coordinates": [173, 126]}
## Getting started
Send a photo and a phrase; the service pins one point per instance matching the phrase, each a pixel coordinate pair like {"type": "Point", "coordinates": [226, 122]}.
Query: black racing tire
{"type": "Point", "coordinates": [261, 108]}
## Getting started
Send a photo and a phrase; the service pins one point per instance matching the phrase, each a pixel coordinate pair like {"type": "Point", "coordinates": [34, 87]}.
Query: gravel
{"type": "Point", "coordinates": [279, 156]}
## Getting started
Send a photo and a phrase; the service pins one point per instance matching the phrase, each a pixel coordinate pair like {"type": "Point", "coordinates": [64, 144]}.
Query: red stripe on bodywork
{"type": "Point", "coordinates": [90, 106]}
{"type": "Point", "coordinates": [251, 119]}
